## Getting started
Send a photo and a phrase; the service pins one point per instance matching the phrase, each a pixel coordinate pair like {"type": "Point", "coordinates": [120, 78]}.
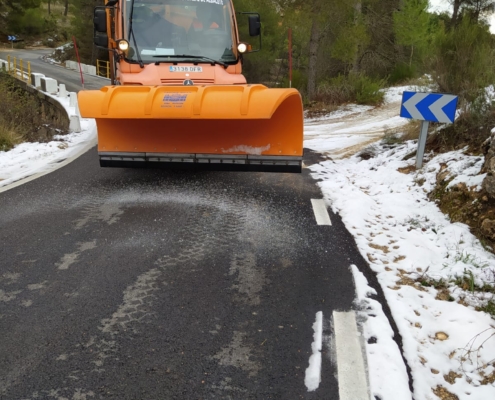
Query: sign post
{"type": "Point", "coordinates": [11, 39]}
{"type": "Point", "coordinates": [427, 107]}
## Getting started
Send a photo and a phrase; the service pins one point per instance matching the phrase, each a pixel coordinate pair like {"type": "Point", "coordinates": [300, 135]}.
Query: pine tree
{"type": "Point", "coordinates": [411, 25]}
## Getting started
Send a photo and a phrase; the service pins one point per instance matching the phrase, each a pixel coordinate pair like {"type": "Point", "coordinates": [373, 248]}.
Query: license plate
{"type": "Point", "coordinates": [186, 69]}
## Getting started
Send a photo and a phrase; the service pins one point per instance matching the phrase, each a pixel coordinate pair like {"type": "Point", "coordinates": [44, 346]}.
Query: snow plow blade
{"type": "Point", "coordinates": [232, 127]}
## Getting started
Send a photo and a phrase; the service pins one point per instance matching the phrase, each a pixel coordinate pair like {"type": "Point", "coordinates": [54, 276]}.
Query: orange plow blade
{"type": "Point", "coordinates": [245, 127]}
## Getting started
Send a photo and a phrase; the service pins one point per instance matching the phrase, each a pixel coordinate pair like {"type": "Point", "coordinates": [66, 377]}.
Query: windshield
{"type": "Point", "coordinates": [163, 30]}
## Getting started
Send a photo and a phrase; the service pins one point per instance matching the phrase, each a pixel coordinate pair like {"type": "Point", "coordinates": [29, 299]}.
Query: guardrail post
{"type": "Point", "coordinates": [36, 80]}
{"type": "Point", "coordinates": [61, 90]}
{"type": "Point", "coordinates": [74, 124]}
{"type": "Point", "coordinates": [73, 99]}
{"type": "Point", "coordinates": [49, 85]}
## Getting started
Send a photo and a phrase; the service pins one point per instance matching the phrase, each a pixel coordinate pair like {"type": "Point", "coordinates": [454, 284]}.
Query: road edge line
{"type": "Point", "coordinates": [351, 363]}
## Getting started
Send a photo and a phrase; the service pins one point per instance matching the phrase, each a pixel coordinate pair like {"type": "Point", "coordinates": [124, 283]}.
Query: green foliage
{"type": "Point", "coordinates": [352, 88]}
{"type": "Point", "coordinates": [8, 136]}
{"type": "Point", "coordinates": [464, 61]}
{"type": "Point", "coordinates": [402, 73]}
{"type": "Point", "coordinates": [411, 25]}
{"type": "Point", "coordinates": [368, 90]}
{"type": "Point", "coordinates": [18, 113]}
{"type": "Point", "coordinates": [299, 80]}
{"type": "Point", "coordinates": [471, 129]}
{"type": "Point", "coordinates": [27, 18]}
{"type": "Point", "coordinates": [489, 308]}
{"type": "Point", "coordinates": [33, 22]}
{"type": "Point", "coordinates": [350, 38]}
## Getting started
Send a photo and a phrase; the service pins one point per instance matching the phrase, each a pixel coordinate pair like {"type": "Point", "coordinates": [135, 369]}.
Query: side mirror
{"type": "Point", "coordinates": [101, 39]}
{"type": "Point", "coordinates": [100, 20]}
{"type": "Point", "coordinates": [254, 25]}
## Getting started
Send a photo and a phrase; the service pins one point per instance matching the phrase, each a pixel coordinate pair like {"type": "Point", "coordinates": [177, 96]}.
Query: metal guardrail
{"type": "Point", "coordinates": [16, 67]}
{"type": "Point", "coordinates": [103, 68]}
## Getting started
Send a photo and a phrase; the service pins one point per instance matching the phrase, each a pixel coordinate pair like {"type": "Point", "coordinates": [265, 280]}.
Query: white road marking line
{"type": "Point", "coordinates": [321, 213]}
{"type": "Point", "coordinates": [313, 372]}
{"type": "Point", "coordinates": [351, 370]}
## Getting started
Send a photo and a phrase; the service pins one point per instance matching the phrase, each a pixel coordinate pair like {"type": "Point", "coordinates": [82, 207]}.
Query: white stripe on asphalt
{"type": "Point", "coordinates": [321, 213]}
{"type": "Point", "coordinates": [351, 371]}
{"type": "Point", "coordinates": [313, 372]}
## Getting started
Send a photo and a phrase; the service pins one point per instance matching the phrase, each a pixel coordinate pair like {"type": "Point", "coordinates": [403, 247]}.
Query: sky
{"type": "Point", "coordinates": [383, 201]}
{"type": "Point", "coordinates": [444, 5]}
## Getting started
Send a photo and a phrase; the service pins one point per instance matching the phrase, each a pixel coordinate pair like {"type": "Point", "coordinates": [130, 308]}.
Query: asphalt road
{"type": "Point", "coordinates": [71, 79]}
{"type": "Point", "coordinates": [150, 284]}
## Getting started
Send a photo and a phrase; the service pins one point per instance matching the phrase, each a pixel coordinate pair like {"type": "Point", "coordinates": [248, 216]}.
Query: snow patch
{"type": "Point", "coordinates": [247, 149]}
{"type": "Point", "coordinates": [313, 372]}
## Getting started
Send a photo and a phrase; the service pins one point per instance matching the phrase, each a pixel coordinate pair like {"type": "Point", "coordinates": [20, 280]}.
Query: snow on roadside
{"type": "Point", "coordinates": [27, 159]}
{"type": "Point", "coordinates": [405, 238]}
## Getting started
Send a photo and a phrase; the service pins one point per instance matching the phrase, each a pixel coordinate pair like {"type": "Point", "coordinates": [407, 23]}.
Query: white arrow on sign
{"type": "Point", "coordinates": [410, 105]}
{"type": "Point", "coordinates": [437, 108]}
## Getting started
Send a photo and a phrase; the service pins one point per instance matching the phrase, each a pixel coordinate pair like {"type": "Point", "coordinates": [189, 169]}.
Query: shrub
{"type": "Point", "coordinates": [20, 45]}
{"type": "Point", "coordinates": [9, 137]}
{"type": "Point", "coordinates": [336, 91]}
{"type": "Point", "coordinates": [465, 59]}
{"type": "Point", "coordinates": [402, 73]}
{"type": "Point", "coordinates": [471, 129]}
{"type": "Point", "coordinates": [368, 91]}
{"type": "Point", "coordinates": [352, 88]}
{"type": "Point", "coordinates": [19, 112]}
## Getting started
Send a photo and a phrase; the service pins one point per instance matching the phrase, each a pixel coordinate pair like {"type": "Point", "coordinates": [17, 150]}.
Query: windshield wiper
{"type": "Point", "coordinates": [131, 33]}
{"type": "Point", "coordinates": [206, 59]}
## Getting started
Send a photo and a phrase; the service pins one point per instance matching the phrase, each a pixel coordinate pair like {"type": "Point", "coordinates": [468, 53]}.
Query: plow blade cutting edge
{"type": "Point", "coordinates": [244, 127]}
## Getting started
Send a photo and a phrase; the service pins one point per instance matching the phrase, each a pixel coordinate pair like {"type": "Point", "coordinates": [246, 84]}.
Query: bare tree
{"type": "Point", "coordinates": [480, 8]}
{"type": "Point", "coordinates": [314, 43]}
{"type": "Point", "coordinates": [359, 9]}
{"type": "Point", "coordinates": [475, 8]}
{"type": "Point", "coordinates": [457, 8]}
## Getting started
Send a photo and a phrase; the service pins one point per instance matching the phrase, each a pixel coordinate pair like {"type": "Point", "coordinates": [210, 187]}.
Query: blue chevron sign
{"type": "Point", "coordinates": [11, 38]}
{"type": "Point", "coordinates": [433, 107]}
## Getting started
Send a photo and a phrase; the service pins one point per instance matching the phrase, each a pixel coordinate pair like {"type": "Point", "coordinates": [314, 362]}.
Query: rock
{"type": "Point", "coordinates": [489, 185]}
{"type": "Point", "coordinates": [490, 164]}
{"type": "Point", "coordinates": [488, 148]}
{"type": "Point", "coordinates": [488, 228]}
{"type": "Point", "coordinates": [442, 175]}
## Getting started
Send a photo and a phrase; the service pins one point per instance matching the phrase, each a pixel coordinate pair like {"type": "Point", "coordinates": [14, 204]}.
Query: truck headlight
{"type": "Point", "coordinates": [242, 48]}
{"type": "Point", "coordinates": [123, 45]}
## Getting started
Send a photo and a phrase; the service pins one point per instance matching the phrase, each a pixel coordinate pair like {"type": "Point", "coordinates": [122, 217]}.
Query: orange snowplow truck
{"type": "Point", "coordinates": [178, 96]}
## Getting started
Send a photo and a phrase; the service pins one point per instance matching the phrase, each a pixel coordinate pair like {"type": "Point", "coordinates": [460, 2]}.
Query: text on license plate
{"type": "Point", "coordinates": [186, 69]}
